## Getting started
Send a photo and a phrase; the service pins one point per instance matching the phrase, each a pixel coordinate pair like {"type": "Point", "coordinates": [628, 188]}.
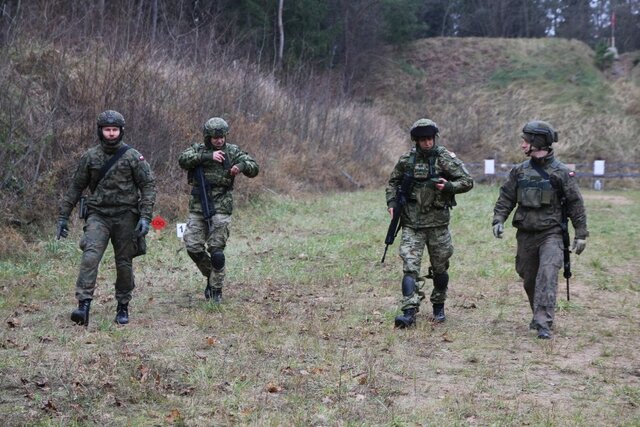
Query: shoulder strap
{"type": "Point", "coordinates": [112, 161]}
{"type": "Point", "coordinates": [412, 162]}
{"type": "Point", "coordinates": [538, 169]}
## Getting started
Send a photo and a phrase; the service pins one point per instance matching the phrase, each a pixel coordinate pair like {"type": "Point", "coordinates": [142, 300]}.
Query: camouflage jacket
{"type": "Point", "coordinates": [427, 206]}
{"type": "Point", "coordinates": [538, 198]}
{"type": "Point", "coordinates": [217, 174]}
{"type": "Point", "coordinates": [129, 185]}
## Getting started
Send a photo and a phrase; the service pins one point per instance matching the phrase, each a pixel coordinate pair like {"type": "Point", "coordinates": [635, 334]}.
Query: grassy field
{"type": "Point", "coordinates": [305, 334]}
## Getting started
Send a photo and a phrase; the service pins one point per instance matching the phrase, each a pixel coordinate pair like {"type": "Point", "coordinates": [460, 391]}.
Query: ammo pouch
{"type": "Point", "coordinates": [82, 208]}
{"type": "Point", "coordinates": [535, 194]}
{"type": "Point", "coordinates": [140, 246]}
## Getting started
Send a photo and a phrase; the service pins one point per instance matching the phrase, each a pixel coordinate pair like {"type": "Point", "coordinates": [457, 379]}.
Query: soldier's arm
{"type": "Point", "coordinates": [575, 204]}
{"type": "Point", "coordinates": [459, 179]}
{"type": "Point", "coordinates": [394, 181]}
{"type": "Point", "coordinates": [247, 165]}
{"type": "Point", "coordinates": [191, 157]}
{"type": "Point", "coordinates": [507, 199]}
{"type": "Point", "coordinates": [145, 181]}
{"type": "Point", "coordinates": [79, 182]}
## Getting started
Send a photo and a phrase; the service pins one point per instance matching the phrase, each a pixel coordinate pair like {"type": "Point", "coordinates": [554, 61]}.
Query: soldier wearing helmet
{"type": "Point", "coordinates": [437, 176]}
{"type": "Point", "coordinates": [220, 162]}
{"type": "Point", "coordinates": [536, 188]}
{"type": "Point", "coordinates": [119, 207]}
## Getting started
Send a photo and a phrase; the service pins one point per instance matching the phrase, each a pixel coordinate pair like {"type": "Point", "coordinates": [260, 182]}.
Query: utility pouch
{"type": "Point", "coordinates": [82, 208]}
{"type": "Point", "coordinates": [140, 246]}
{"type": "Point", "coordinates": [530, 197]}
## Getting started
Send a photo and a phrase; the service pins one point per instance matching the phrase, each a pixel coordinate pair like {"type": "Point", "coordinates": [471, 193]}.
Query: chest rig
{"type": "Point", "coordinates": [424, 173]}
{"type": "Point", "coordinates": [535, 187]}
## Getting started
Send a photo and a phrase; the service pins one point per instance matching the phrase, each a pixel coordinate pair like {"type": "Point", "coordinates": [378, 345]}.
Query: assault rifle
{"type": "Point", "coordinates": [566, 241]}
{"type": "Point", "coordinates": [402, 192]}
{"type": "Point", "coordinates": [208, 211]}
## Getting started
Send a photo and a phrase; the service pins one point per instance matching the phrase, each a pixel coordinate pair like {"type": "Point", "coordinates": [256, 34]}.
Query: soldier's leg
{"type": "Point", "coordinates": [411, 250]}
{"type": "Point", "coordinates": [194, 241]}
{"type": "Point", "coordinates": [216, 243]}
{"type": "Point", "coordinates": [93, 244]}
{"type": "Point", "coordinates": [123, 239]}
{"type": "Point", "coordinates": [527, 262]}
{"type": "Point", "coordinates": [440, 247]}
{"type": "Point", "coordinates": [547, 281]}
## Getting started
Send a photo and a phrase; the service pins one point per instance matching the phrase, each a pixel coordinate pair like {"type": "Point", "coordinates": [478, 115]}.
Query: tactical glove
{"type": "Point", "coordinates": [498, 230]}
{"type": "Point", "coordinates": [62, 230]}
{"type": "Point", "coordinates": [579, 245]}
{"type": "Point", "coordinates": [142, 228]}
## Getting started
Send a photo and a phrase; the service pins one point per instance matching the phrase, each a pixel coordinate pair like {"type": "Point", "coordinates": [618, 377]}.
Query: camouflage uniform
{"type": "Point", "coordinates": [217, 174]}
{"type": "Point", "coordinates": [125, 194]}
{"type": "Point", "coordinates": [425, 218]}
{"type": "Point", "coordinates": [538, 218]}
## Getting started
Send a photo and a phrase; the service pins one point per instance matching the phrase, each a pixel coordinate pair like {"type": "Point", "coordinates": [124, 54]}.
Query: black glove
{"type": "Point", "coordinates": [142, 228]}
{"type": "Point", "coordinates": [62, 230]}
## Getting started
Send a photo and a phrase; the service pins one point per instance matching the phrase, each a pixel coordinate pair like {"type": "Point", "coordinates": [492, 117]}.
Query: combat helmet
{"type": "Point", "coordinates": [540, 134]}
{"type": "Point", "coordinates": [110, 118]}
{"type": "Point", "coordinates": [215, 126]}
{"type": "Point", "coordinates": [424, 127]}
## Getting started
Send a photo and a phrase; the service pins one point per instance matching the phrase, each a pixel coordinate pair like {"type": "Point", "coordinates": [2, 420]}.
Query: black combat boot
{"type": "Point", "coordinates": [81, 314]}
{"type": "Point", "coordinates": [407, 318]}
{"type": "Point", "coordinates": [216, 295]}
{"type": "Point", "coordinates": [438, 313]}
{"type": "Point", "coordinates": [122, 314]}
{"type": "Point", "coordinates": [544, 333]}
{"type": "Point", "coordinates": [208, 292]}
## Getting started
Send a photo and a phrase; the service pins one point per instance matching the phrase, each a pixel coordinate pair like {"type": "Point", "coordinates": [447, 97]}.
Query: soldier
{"type": "Point", "coordinates": [537, 187]}
{"type": "Point", "coordinates": [220, 163]}
{"type": "Point", "coordinates": [438, 175]}
{"type": "Point", "coordinates": [119, 208]}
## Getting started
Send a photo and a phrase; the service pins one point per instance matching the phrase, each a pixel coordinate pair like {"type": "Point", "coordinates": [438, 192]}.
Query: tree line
{"type": "Point", "coordinates": [331, 34]}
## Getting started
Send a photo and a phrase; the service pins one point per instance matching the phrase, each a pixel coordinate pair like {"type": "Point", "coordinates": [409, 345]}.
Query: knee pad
{"type": "Point", "coordinates": [217, 260]}
{"type": "Point", "coordinates": [441, 280]}
{"type": "Point", "coordinates": [408, 285]}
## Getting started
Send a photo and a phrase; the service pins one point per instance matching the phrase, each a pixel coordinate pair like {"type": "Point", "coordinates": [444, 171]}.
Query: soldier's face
{"type": "Point", "coordinates": [426, 142]}
{"type": "Point", "coordinates": [217, 141]}
{"type": "Point", "coordinates": [525, 147]}
{"type": "Point", "coordinates": [111, 132]}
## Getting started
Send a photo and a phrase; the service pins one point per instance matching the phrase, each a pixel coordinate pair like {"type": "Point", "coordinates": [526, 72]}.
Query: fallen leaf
{"type": "Point", "coordinates": [273, 388]}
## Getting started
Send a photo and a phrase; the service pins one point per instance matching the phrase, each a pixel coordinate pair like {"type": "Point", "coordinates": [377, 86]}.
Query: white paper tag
{"type": "Point", "coordinates": [180, 229]}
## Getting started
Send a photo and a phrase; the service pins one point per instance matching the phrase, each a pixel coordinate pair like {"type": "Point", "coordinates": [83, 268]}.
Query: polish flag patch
{"type": "Point", "coordinates": [572, 173]}
{"type": "Point", "coordinates": [141, 157]}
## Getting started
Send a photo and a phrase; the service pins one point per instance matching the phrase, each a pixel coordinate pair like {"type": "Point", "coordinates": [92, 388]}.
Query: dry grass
{"type": "Point", "coordinates": [482, 91]}
{"type": "Point", "coordinates": [305, 334]}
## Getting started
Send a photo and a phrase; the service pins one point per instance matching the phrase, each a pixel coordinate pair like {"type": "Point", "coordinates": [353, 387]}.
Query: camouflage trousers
{"type": "Point", "coordinates": [539, 258]}
{"type": "Point", "coordinates": [437, 241]}
{"type": "Point", "coordinates": [98, 231]}
{"type": "Point", "coordinates": [201, 245]}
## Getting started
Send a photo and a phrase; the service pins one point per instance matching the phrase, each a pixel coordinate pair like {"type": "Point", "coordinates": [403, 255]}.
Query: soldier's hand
{"type": "Point", "coordinates": [444, 185]}
{"type": "Point", "coordinates": [142, 228]}
{"type": "Point", "coordinates": [62, 230]}
{"type": "Point", "coordinates": [390, 212]}
{"type": "Point", "coordinates": [498, 230]}
{"type": "Point", "coordinates": [579, 245]}
{"type": "Point", "coordinates": [218, 156]}
{"type": "Point", "coordinates": [235, 170]}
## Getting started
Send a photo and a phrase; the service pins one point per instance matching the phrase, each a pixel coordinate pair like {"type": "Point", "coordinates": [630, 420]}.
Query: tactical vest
{"type": "Point", "coordinates": [535, 190]}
